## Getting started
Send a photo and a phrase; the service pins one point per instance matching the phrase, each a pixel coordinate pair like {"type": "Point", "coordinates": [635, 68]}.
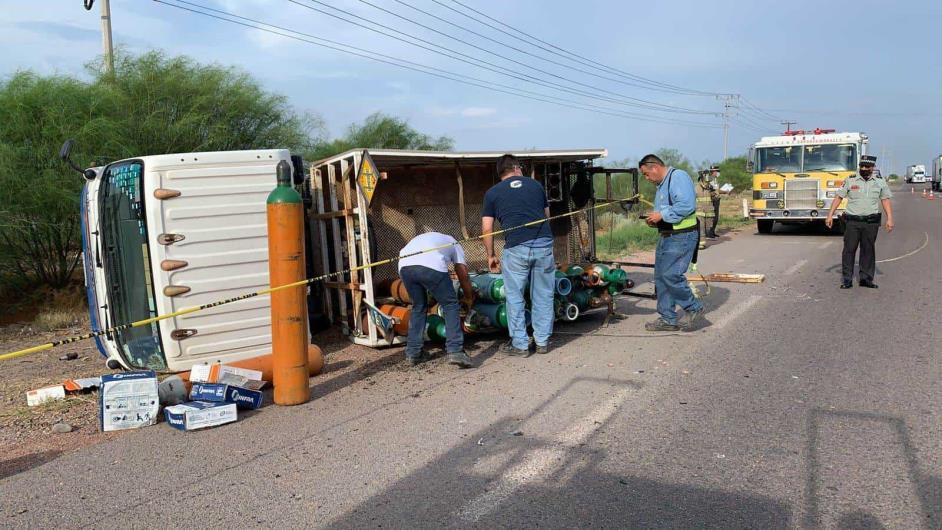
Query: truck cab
{"type": "Point", "coordinates": [796, 176]}
{"type": "Point", "coordinates": [166, 232]}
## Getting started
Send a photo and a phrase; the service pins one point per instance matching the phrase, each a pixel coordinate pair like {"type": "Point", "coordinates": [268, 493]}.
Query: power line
{"type": "Point", "coordinates": [417, 67]}
{"type": "Point", "coordinates": [515, 48]}
{"type": "Point", "coordinates": [635, 102]}
{"type": "Point", "coordinates": [653, 83]}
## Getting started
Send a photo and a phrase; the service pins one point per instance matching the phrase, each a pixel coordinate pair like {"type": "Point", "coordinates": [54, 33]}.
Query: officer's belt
{"type": "Point", "coordinates": [872, 218]}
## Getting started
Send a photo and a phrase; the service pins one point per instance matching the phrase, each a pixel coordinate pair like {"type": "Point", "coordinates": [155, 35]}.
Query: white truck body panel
{"type": "Point", "coordinates": [221, 212]}
{"type": "Point", "coordinates": [916, 174]}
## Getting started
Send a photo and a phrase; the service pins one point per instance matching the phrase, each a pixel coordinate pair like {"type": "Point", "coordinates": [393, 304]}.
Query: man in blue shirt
{"type": "Point", "coordinates": [527, 257]}
{"type": "Point", "coordinates": [675, 217]}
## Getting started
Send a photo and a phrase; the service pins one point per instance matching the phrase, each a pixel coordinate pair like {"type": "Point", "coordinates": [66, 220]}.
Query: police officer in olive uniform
{"type": "Point", "coordinates": [864, 195]}
{"type": "Point", "coordinates": [709, 184]}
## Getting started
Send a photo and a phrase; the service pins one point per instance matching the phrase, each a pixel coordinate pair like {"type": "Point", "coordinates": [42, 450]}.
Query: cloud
{"type": "Point", "coordinates": [478, 112]}
{"type": "Point", "coordinates": [464, 112]}
{"type": "Point", "coordinates": [62, 31]}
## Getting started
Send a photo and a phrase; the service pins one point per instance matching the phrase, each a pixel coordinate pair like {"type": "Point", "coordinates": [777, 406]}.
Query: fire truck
{"type": "Point", "coordinates": [797, 175]}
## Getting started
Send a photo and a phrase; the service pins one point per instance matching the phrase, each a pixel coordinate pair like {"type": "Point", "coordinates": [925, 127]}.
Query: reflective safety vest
{"type": "Point", "coordinates": [687, 222]}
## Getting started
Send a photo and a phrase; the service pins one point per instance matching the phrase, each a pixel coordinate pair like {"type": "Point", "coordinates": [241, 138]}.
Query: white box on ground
{"type": "Point", "coordinates": [194, 415]}
{"type": "Point", "coordinates": [128, 400]}
{"type": "Point", "coordinates": [199, 373]}
{"type": "Point", "coordinates": [42, 395]}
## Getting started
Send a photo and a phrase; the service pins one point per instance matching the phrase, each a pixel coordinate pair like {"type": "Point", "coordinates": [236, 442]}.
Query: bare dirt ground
{"type": "Point", "coordinates": [26, 436]}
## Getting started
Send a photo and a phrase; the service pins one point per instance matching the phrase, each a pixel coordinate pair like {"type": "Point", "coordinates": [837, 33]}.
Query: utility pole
{"type": "Point", "coordinates": [726, 106]}
{"type": "Point", "coordinates": [788, 125]}
{"type": "Point", "coordinates": [106, 43]}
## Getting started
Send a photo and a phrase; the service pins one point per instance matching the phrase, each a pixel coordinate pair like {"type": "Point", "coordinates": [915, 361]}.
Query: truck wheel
{"type": "Point", "coordinates": [765, 226]}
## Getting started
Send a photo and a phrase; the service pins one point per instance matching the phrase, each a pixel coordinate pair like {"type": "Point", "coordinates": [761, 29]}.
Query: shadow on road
{"type": "Point", "coordinates": [503, 478]}
{"type": "Point", "coordinates": [928, 488]}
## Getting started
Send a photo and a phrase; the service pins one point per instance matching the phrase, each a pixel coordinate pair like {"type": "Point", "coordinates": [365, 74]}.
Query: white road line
{"type": "Point", "coordinates": [825, 245]}
{"type": "Point", "coordinates": [736, 311]}
{"type": "Point", "coordinates": [794, 268]}
{"type": "Point", "coordinates": [540, 464]}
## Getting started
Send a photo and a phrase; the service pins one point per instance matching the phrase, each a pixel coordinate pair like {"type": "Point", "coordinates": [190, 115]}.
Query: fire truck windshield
{"type": "Point", "coordinates": [806, 158]}
{"type": "Point", "coordinates": [128, 287]}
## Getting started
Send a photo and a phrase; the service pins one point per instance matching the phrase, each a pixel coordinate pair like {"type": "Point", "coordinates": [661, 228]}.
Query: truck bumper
{"type": "Point", "coordinates": [791, 215]}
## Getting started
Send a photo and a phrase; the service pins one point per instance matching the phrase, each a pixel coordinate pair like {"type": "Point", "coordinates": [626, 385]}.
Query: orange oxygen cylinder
{"type": "Point", "coordinates": [288, 308]}
{"type": "Point", "coordinates": [264, 363]}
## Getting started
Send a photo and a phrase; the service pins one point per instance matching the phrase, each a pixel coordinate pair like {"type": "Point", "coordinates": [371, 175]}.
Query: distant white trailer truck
{"type": "Point", "coordinates": [916, 174]}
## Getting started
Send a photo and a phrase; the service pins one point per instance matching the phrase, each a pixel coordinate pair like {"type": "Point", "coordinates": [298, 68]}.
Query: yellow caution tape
{"type": "Point", "coordinates": [187, 310]}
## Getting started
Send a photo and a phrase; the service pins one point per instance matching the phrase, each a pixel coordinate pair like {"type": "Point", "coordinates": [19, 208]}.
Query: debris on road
{"type": "Point", "coordinates": [42, 395]}
{"type": "Point", "coordinates": [128, 400]}
{"type": "Point", "coordinates": [171, 391]}
{"type": "Point", "coordinates": [61, 428]}
{"type": "Point", "coordinates": [85, 384]}
{"type": "Point", "coordinates": [728, 277]}
{"type": "Point", "coordinates": [199, 415]}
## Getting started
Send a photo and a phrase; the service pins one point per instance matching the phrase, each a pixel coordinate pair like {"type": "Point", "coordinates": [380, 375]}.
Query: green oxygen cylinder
{"type": "Point", "coordinates": [435, 329]}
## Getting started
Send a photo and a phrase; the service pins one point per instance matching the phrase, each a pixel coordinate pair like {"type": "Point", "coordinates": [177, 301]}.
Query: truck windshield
{"type": "Point", "coordinates": [798, 158]}
{"type": "Point", "coordinates": [129, 288]}
{"type": "Point", "coordinates": [786, 159]}
{"type": "Point", "coordinates": [832, 157]}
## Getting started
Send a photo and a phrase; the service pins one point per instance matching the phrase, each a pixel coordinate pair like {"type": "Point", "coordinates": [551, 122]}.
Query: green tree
{"type": "Point", "coordinates": [153, 104]}
{"type": "Point", "coordinates": [380, 131]}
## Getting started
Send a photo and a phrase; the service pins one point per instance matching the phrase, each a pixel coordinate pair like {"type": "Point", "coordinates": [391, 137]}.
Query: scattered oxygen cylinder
{"type": "Point", "coordinates": [435, 329]}
{"type": "Point", "coordinates": [563, 284]}
{"type": "Point", "coordinates": [489, 287]}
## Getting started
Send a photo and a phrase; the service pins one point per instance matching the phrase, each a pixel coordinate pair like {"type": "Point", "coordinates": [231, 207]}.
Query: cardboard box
{"type": "Point", "coordinates": [42, 395]}
{"type": "Point", "coordinates": [223, 373]}
{"type": "Point", "coordinates": [199, 415]}
{"type": "Point", "coordinates": [244, 398]}
{"type": "Point", "coordinates": [213, 392]}
{"type": "Point", "coordinates": [128, 400]}
{"type": "Point", "coordinates": [199, 373]}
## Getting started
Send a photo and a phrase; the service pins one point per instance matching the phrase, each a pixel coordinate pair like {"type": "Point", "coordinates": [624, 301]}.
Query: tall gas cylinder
{"type": "Point", "coordinates": [290, 371]}
{"type": "Point", "coordinates": [489, 287]}
{"type": "Point", "coordinates": [491, 315]}
{"type": "Point", "coordinates": [563, 284]}
{"type": "Point", "coordinates": [435, 329]}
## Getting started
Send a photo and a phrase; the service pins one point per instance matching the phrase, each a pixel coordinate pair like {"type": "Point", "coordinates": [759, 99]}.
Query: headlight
{"type": "Point", "coordinates": [769, 185]}
{"type": "Point", "coordinates": [831, 194]}
{"type": "Point", "coordinates": [835, 183]}
{"type": "Point", "coordinates": [769, 195]}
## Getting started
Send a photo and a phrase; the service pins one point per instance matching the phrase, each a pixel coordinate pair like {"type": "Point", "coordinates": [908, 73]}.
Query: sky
{"type": "Point", "coordinates": [864, 65]}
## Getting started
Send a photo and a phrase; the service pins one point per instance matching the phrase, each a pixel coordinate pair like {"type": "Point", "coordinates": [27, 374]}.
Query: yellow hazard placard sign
{"type": "Point", "coordinates": [367, 177]}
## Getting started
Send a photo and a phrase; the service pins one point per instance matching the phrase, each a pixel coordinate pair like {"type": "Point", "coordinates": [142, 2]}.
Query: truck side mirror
{"type": "Point", "coordinates": [64, 153]}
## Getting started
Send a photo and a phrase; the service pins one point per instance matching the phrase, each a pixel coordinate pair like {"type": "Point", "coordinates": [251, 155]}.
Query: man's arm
{"type": "Point", "coordinates": [461, 270]}
{"type": "Point", "coordinates": [888, 208]}
{"type": "Point", "coordinates": [487, 226]}
{"type": "Point", "coordinates": [834, 204]}
{"type": "Point", "coordinates": [839, 196]}
{"type": "Point", "coordinates": [683, 195]}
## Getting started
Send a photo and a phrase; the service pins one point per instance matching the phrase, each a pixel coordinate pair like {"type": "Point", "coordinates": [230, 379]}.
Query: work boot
{"type": "Point", "coordinates": [846, 284]}
{"type": "Point", "coordinates": [661, 325]}
{"type": "Point", "coordinates": [542, 350]}
{"type": "Point", "coordinates": [460, 358]}
{"type": "Point", "coordinates": [690, 318]}
{"type": "Point", "coordinates": [508, 348]}
{"type": "Point", "coordinates": [417, 359]}
{"type": "Point", "coordinates": [868, 284]}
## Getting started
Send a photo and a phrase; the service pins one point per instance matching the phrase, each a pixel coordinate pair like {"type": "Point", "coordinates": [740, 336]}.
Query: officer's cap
{"type": "Point", "coordinates": [714, 167]}
{"type": "Point", "coordinates": [868, 160]}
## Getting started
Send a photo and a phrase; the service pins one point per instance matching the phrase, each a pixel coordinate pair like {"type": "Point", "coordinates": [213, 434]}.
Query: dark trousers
{"type": "Point", "coordinates": [711, 230]}
{"type": "Point", "coordinates": [864, 235]}
{"type": "Point", "coordinates": [419, 281]}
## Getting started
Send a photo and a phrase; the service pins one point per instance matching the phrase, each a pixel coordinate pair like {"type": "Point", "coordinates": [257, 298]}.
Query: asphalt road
{"type": "Point", "coordinates": [799, 405]}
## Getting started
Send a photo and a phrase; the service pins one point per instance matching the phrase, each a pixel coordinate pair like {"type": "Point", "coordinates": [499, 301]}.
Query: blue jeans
{"type": "Point", "coordinates": [671, 260]}
{"type": "Point", "coordinates": [418, 281]}
{"type": "Point", "coordinates": [519, 265]}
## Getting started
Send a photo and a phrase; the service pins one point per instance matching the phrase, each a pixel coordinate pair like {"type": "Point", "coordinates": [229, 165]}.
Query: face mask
{"type": "Point", "coordinates": [865, 173]}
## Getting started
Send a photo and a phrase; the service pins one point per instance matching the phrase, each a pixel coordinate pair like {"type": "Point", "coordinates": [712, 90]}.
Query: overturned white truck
{"type": "Point", "coordinates": [165, 232]}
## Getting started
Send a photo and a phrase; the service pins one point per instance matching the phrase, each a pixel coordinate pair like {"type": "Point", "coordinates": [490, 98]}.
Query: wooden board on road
{"type": "Point", "coordinates": [728, 277]}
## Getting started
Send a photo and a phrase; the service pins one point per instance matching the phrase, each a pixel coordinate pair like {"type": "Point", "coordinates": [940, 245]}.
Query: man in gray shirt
{"type": "Point", "coordinates": [864, 195]}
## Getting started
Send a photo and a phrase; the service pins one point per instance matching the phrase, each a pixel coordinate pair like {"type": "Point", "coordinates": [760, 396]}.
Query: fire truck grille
{"type": "Point", "coordinates": [801, 194]}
